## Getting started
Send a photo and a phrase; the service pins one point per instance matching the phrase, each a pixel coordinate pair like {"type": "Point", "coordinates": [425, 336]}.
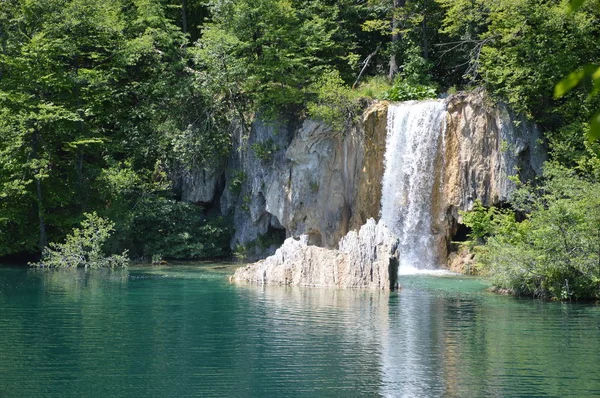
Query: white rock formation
{"type": "Point", "coordinates": [367, 259]}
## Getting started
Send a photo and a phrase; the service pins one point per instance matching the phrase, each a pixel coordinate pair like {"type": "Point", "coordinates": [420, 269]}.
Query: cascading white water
{"type": "Point", "coordinates": [414, 131]}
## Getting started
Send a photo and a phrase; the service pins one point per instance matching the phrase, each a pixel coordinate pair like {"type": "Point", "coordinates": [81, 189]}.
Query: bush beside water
{"type": "Point", "coordinates": [84, 247]}
{"type": "Point", "coordinates": [554, 253]}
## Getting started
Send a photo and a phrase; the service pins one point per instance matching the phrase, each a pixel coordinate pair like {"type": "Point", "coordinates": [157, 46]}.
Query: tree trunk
{"type": "Point", "coordinates": [184, 16]}
{"type": "Point", "coordinates": [39, 198]}
{"type": "Point", "coordinates": [43, 236]}
{"type": "Point", "coordinates": [395, 38]}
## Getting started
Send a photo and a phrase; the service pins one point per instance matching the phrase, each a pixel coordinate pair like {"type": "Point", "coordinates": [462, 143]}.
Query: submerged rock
{"type": "Point", "coordinates": [365, 259]}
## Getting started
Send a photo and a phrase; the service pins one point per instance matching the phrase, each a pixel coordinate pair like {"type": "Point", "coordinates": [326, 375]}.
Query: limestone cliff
{"type": "Point", "coordinates": [299, 177]}
{"type": "Point", "coordinates": [483, 145]}
{"type": "Point", "coordinates": [366, 259]}
{"type": "Point", "coordinates": [199, 185]}
{"type": "Point", "coordinates": [306, 179]}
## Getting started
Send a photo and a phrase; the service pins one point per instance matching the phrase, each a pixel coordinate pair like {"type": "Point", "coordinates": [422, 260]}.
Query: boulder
{"type": "Point", "coordinates": [365, 259]}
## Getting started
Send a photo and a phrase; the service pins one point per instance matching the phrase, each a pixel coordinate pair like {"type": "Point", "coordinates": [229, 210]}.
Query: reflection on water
{"type": "Point", "coordinates": [184, 331]}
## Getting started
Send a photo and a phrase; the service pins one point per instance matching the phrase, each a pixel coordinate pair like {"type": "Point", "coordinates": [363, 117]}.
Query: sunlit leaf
{"type": "Point", "coordinates": [594, 133]}
{"type": "Point", "coordinates": [573, 79]}
{"type": "Point", "coordinates": [596, 74]}
{"type": "Point", "coordinates": [575, 5]}
{"type": "Point", "coordinates": [85, 141]}
{"type": "Point", "coordinates": [596, 88]}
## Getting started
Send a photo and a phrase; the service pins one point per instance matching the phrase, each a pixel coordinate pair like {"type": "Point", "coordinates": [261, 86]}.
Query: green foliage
{"type": "Point", "coordinates": [555, 252]}
{"type": "Point", "coordinates": [521, 49]}
{"type": "Point", "coordinates": [102, 103]}
{"type": "Point", "coordinates": [373, 87]}
{"type": "Point", "coordinates": [573, 80]}
{"type": "Point", "coordinates": [262, 55]}
{"type": "Point", "coordinates": [246, 201]}
{"type": "Point", "coordinates": [237, 181]}
{"type": "Point", "coordinates": [414, 82]}
{"type": "Point", "coordinates": [335, 103]}
{"type": "Point", "coordinates": [483, 222]}
{"type": "Point", "coordinates": [89, 88]}
{"type": "Point", "coordinates": [404, 91]}
{"type": "Point", "coordinates": [159, 227]}
{"type": "Point", "coordinates": [84, 247]}
{"type": "Point", "coordinates": [265, 150]}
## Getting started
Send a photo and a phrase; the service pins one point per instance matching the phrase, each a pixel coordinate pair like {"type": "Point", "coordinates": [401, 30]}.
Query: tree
{"type": "Point", "coordinates": [84, 247]}
{"type": "Point", "coordinates": [264, 54]}
{"type": "Point", "coordinates": [87, 85]}
{"type": "Point", "coordinates": [519, 50]}
{"type": "Point", "coordinates": [555, 252]}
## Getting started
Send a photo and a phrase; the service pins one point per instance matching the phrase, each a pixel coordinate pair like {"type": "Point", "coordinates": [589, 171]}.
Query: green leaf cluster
{"type": "Point", "coordinates": [165, 228]}
{"type": "Point", "coordinates": [402, 90]}
{"type": "Point", "coordinates": [84, 247]}
{"type": "Point", "coordinates": [335, 103]}
{"type": "Point", "coordinates": [265, 150]}
{"type": "Point", "coordinates": [98, 103]}
{"type": "Point", "coordinates": [554, 253]}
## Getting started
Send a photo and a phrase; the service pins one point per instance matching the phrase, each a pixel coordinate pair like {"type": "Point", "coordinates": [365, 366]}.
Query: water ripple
{"type": "Point", "coordinates": [187, 332]}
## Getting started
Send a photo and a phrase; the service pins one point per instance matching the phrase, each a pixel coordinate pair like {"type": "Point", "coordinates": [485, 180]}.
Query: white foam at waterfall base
{"type": "Point", "coordinates": [414, 131]}
{"type": "Point", "coordinates": [408, 270]}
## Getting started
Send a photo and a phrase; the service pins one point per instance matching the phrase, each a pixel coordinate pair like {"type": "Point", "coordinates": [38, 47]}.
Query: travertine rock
{"type": "Point", "coordinates": [198, 185]}
{"type": "Point", "coordinates": [483, 145]}
{"type": "Point", "coordinates": [318, 182]}
{"type": "Point", "coordinates": [323, 184]}
{"type": "Point", "coordinates": [367, 259]}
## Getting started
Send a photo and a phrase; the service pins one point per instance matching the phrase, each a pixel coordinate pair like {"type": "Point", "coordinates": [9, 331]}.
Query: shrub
{"type": "Point", "coordinates": [83, 248]}
{"type": "Point", "coordinates": [484, 222]}
{"type": "Point", "coordinates": [265, 150]}
{"type": "Point", "coordinates": [555, 252]}
{"type": "Point", "coordinates": [160, 227]}
{"type": "Point", "coordinates": [403, 90]}
{"type": "Point", "coordinates": [335, 103]}
{"type": "Point", "coordinates": [373, 87]}
{"type": "Point", "coordinates": [237, 180]}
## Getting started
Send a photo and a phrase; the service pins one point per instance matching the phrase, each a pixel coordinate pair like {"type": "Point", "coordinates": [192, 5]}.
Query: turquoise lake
{"type": "Point", "coordinates": [184, 331]}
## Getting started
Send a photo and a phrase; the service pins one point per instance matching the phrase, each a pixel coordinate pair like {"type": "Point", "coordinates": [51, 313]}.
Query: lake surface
{"type": "Point", "coordinates": [185, 331]}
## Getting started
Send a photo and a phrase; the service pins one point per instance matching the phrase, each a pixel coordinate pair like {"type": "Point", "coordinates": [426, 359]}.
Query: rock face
{"type": "Point", "coordinates": [199, 185]}
{"type": "Point", "coordinates": [315, 181]}
{"type": "Point", "coordinates": [483, 145]}
{"type": "Point", "coordinates": [294, 178]}
{"type": "Point", "coordinates": [366, 259]}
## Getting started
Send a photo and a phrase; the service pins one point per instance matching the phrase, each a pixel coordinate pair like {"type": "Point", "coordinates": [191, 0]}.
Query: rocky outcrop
{"type": "Point", "coordinates": [293, 178]}
{"type": "Point", "coordinates": [462, 261]}
{"type": "Point", "coordinates": [367, 202]}
{"type": "Point", "coordinates": [306, 179]}
{"type": "Point", "coordinates": [199, 184]}
{"type": "Point", "coordinates": [483, 145]}
{"type": "Point", "coordinates": [365, 259]}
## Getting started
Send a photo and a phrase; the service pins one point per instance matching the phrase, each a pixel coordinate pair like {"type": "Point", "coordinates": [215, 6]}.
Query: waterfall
{"type": "Point", "coordinates": [414, 132]}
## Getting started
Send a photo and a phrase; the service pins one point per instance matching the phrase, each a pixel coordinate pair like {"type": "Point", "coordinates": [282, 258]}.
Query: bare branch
{"type": "Point", "coordinates": [365, 63]}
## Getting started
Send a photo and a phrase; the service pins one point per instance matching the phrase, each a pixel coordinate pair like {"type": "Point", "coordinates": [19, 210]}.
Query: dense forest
{"type": "Point", "coordinates": [102, 103]}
